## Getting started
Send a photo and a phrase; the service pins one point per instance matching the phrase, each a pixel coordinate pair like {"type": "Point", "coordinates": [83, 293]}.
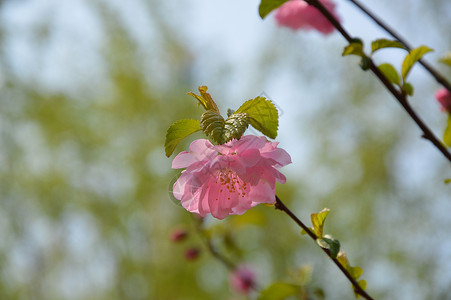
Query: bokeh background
{"type": "Point", "coordinates": [88, 89]}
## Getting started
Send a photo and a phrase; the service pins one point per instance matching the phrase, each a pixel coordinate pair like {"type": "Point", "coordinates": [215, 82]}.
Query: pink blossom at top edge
{"type": "Point", "coordinates": [297, 14]}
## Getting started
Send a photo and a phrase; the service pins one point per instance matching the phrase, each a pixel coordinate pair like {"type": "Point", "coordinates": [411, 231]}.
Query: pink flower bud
{"type": "Point", "coordinates": [192, 253]}
{"type": "Point", "coordinates": [297, 14]}
{"type": "Point", "coordinates": [242, 279]}
{"type": "Point", "coordinates": [444, 97]}
{"type": "Point", "coordinates": [178, 235]}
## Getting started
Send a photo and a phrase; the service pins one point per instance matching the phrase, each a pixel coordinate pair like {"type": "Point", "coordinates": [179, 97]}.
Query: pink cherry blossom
{"type": "Point", "coordinates": [242, 279]}
{"type": "Point", "coordinates": [444, 97]}
{"type": "Point", "coordinates": [231, 178]}
{"type": "Point", "coordinates": [298, 14]}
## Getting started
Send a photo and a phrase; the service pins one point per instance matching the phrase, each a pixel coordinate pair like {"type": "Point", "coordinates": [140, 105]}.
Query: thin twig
{"type": "Point", "coordinates": [427, 133]}
{"type": "Point", "coordinates": [436, 74]}
{"type": "Point", "coordinates": [231, 266]}
{"type": "Point", "coordinates": [357, 288]}
{"type": "Point", "coordinates": [211, 248]}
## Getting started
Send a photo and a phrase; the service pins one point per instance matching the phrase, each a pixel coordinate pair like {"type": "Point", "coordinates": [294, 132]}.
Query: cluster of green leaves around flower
{"type": "Point", "coordinates": [258, 112]}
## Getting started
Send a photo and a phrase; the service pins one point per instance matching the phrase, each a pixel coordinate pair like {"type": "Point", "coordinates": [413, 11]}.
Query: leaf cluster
{"type": "Point", "coordinates": [259, 112]}
{"type": "Point", "coordinates": [325, 241]}
{"type": "Point", "coordinates": [388, 70]}
{"type": "Point", "coordinates": [332, 245]}
{"type": "Point", "coordinates": [355, 272]}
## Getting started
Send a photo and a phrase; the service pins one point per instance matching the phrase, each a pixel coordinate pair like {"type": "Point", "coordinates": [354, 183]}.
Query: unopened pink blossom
{"type": "Point", "coordinates": [298, 14]}
{"type": "Point", "coordinates": [192, 253]}
{"type": "Point", "coordinates": [242, 280]}
{"type": "Point", "coordinates": [178, 235]}
{"type": "Point", "coordinates": [229, 179]}
{"type": "Point", "coordinates": [444, 97]}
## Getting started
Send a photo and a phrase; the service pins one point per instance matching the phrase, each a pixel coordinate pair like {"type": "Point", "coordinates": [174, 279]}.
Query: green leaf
{"type": "Point", "coordinates": [446, 59]}
{"type": "Point", "coordinates": [267, 6]}
{"type": "Point", "coordinates": [447, 133]}
{"type": "Point", "coordinates": [343, 260]}
{"type": "Point", "coordinates": [177, 132]}
{"type": "Point", "coordinates": [355, 272]}
{"type": "Point", "coordinates": [385, 43]}
{"type": "Point", "coordinates": [235, 126]}
{"type": "Point", "coordinates": [221, 131]}
{"type": "Point", "coordinates": [408, 88]}
{"type": "Point", "coordinates": [447, 181]}
{"type": "Point", "coordinates": [213, 125]}
{"type": "Point", "coordinates": [411, 58]}
{"type": "Point", "coordinates": [362, 284]}
{"type": "Point", "coordinates": [318, 220]}
{"type": "Point", "coordinates": [354, 48]}
{"type": "Point", "coordinates": [279, 291]}
{"type": "Point", "coordinates": [390, 72]}
{"type": "Point", "coordinates": [329, 243]}
{"type": "Point", "coordinates": [263, 115]}
{"type": "Point", "coordinates": [205, 99]}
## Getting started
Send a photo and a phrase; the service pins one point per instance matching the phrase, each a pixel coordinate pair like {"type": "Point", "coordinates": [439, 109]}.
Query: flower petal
{"type": "Point", "coordinates": [200, 150]}
{"type": "Point", "coordinates": [297, 14]}
{"type": "Point", "coordinates": [279, 156]}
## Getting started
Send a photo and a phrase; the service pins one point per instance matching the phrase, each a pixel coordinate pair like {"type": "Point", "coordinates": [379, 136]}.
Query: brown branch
{"type": "Point", "coordinates": [427, 133]}
{"type": "Point", "coordinates": [281, 206]}
{"type": "Point", "coordinates": [436, 74]}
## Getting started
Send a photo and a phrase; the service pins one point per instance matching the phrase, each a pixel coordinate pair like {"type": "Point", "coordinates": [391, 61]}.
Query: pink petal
{"type": "Point", "coordinates": [249, 142]}
{"type": "Point", "coordinates": [279, 156]}
{"type": "Point", "coordinates": [263, 193]}
{"type": "Point", "coordinates": [290, 14]}
{"type": "Point", "coordinates": [216, 208]}
{"type": "Point", "coordinates": [443, 96]}
{"type": "Point", "coordinates": [298, 14]}
{"type": "Point", "coordinates": [250, 156]}
{"type": "Point", "coordinates": [200, 150]}
{"type": "Point", "coordinates": [183, 192]}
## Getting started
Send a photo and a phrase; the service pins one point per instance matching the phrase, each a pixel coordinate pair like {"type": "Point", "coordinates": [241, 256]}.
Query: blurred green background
{"type": "Point", "coordinates": [88, 89]}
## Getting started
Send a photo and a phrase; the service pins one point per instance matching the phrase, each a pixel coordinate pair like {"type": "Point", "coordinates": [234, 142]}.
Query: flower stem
{"type": "Point", "coordinates": [231, 266]}
{"type": "Point", "coordinates": [281, 206]}
{"type": "Point", "coordinates": [438, 77]}
{"type": "Point", "coordinates": [212, 249]}
{"type": "Point", "coordinates": [401, 97]}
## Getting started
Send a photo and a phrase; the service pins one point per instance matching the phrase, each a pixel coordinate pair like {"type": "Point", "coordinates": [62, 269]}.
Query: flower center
{"type": "Point", "coordinates": [231, 183]}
